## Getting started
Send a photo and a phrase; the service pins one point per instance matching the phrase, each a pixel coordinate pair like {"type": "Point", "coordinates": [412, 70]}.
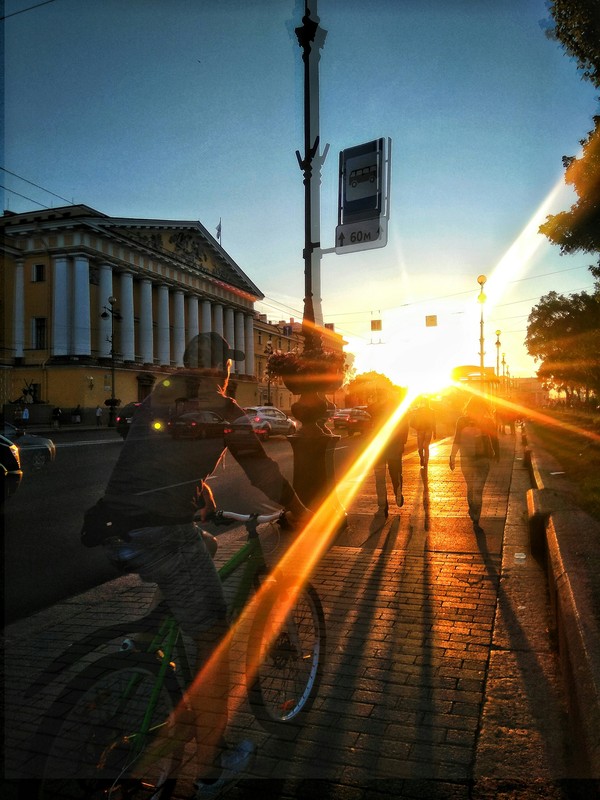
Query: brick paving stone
{"type": "Point", "coordinates": [438, 663]}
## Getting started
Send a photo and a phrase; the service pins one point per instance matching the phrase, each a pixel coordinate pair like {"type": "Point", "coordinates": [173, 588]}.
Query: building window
{"type": "Point", "coordinates": [38, 274]}
{"type": "Point", "coordinates": [259, 337]}
{"type": "Point", "coordinates": [39, 333]}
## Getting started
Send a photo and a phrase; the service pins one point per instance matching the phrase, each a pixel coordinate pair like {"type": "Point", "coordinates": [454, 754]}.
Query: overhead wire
{"type": "Point", "coordinates": [31, 200]}
{"type": "Point", "coordinates": [29, 8]}
{"type": "Point", "coordinates": [31, 183]}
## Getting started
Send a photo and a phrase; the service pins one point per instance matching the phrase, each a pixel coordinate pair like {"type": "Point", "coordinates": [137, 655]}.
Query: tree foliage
{"type": "Point", "coordinates": [577, 27]}
{"type": "Point", "coordinates": [579, 228]}
{"type": "Point", "coordinates": [563, 332]}
{"type": "Point", "coordinates": [364, 388]}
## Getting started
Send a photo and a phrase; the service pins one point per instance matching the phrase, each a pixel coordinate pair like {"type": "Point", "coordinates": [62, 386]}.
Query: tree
{"type": "Point", "coordinates": [563, 332]}
{"type": "Point", "coordinates": [363, 389]}
{"type": "Point", "coordinates": [577, 27]}
{"type": "Point", "coordinates": [579, 228]}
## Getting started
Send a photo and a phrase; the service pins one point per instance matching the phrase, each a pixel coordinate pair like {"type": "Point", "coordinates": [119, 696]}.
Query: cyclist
{"type": "Point", "coordinates": [156, 489]}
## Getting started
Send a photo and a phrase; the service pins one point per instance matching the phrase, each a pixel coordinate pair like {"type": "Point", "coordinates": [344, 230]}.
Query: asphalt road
{"type": "Point", "coordinates": [44, 560]}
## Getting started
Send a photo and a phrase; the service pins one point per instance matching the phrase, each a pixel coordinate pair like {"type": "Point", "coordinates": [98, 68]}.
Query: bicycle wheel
{"type": "Point", "coordinates": [285, 659]}
{"type": "Point", "coordinates": [90, 743]}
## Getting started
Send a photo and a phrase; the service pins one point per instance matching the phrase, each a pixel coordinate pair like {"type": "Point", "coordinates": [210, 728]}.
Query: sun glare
{"type": "Point", "coordinates": [422, 362]}
{"type": "Point", "coordinates": [514, 262]}
{"type": "Point", "coordinates": [422, 357]}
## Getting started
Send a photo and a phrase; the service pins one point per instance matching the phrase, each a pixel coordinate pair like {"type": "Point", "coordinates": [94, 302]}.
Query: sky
{"type": "Point", "coordinates": [189, 110]}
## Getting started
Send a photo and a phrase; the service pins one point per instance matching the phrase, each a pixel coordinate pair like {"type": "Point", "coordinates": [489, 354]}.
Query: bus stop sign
{"type": "Point", "coordinates": [363, 209]}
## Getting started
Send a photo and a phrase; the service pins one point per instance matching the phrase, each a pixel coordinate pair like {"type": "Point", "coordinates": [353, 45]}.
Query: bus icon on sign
{"type": "Point", "coordinates": [363, 174]}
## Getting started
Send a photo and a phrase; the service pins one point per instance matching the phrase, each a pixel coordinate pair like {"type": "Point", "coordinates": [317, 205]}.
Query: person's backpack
{"type": "Point", "coordinates": [475, 442]}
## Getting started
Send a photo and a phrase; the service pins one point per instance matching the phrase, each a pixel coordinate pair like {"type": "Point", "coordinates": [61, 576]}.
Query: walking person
{"type": "Point", "coordinates": [25, 416]}
{"type": "Point", "coordinates": [423, 421]}
{"type": "Point", "coordinates": [389, 460]}
{"type": "Point", "coordinates": [98, 416]}
{"type": "Point", "coordinates": [476, 439]}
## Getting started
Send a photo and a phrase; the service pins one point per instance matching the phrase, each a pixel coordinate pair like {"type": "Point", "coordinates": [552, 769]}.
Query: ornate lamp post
{"type": "Point", "coordinates": [268, 351]}
{"type": "Point", "coordinates": [481, 298]}
{"type": "Point", "coordinates": [313, 445]}
{"type": "Point", "coordinates": [111, 311]}
{"type": "Point", "coordinates": [498, 361]}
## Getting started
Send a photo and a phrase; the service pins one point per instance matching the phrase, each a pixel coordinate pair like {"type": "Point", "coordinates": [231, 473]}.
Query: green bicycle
{"type": "Point", "coordinates": [91, 740]}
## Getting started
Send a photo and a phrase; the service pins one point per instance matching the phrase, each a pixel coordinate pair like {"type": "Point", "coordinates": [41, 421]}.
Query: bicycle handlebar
{"type": "Point", "coordinates": [220, 516]}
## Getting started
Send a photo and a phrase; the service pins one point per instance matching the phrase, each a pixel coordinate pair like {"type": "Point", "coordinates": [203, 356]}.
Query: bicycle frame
{"type": "Point", "coordinates": [166, 640]}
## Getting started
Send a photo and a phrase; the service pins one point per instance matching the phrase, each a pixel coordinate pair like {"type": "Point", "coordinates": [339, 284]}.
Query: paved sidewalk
{"type": "Point", "coordinates": [440, 679]}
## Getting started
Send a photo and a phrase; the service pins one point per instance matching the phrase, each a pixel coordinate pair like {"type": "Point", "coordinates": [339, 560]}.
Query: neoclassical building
{"type": "Point", "coordinates": [94, 307]}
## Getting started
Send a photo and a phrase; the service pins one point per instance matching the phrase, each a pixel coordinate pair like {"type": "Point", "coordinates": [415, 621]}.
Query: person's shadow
{"type": "Point", "coordinates": [426, 504]}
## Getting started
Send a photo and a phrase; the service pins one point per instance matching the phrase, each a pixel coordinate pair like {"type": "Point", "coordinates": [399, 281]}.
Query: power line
{"type": "Point", "coordinates": [30, 8]}
{"type": "Point", "coordinates": [12, 191]}
{"type": "Point", "coordinates": [37, 186]}
{"type": "Point", "coordinates": [537, 297]}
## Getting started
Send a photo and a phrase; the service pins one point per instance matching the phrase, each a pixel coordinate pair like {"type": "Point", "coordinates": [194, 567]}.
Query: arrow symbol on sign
{"type": "Point", "coordinates": [341, 239]}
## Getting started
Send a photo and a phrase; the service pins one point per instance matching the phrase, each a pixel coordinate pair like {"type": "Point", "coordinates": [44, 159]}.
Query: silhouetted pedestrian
{"type": "Point", "coordinates": [390, 457]}
{"type": "Point", "coordinates": [477, 441]}
{"type": "Point", "coordinates": [423, 421]}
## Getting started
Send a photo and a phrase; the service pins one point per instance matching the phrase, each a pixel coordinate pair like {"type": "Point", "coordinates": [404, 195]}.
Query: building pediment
{"type": "Point", "coordinates": [187, 242]}
{"type": "Point", "coordinates": [183, 242]}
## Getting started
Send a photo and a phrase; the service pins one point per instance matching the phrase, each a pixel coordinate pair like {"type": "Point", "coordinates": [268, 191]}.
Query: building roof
{"type": "Point", "coordinates": [189, 240]}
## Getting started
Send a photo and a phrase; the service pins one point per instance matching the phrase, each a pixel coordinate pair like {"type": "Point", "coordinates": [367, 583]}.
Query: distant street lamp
{"type": "Point", "coordinates": [268, 351]}
{"type": "Point", "coordinates": [110, 311]}
{"type": "Point", "coordinates": [481, 279]}
{"type": "Point", "coordinates": [498, 345]}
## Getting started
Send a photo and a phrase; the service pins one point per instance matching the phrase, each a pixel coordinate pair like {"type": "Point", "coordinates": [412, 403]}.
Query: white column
{"type": "Point", "coordinates": [146, 334]}
{"type": "Point", "coordinates": [178, 327]}
{"type": "Point", "coordinates": [105, 290]}
{"type": "Point", "coordinates": [217, 325]}
{"type": "Point", "coordinates": [82, 339]}
{"type": "Point", "coordinates": [240, 343]}
{"type": "Point", "coordinates": [206, 316]}
{"type": "Point", "coordinates": [61, 328]}
{"type": "Point", "coordinates": [229, 326]}
{"type": "Point", "coordinates": [164, 339]}
{"type": "Point", "coordinates": [249, 363]}
{"type": "Point", "coordinates": [192, 326]}
{"type": "Point", "coordinates": [127, 318]}
{"type": "Point", "coordinates": [19, 312]}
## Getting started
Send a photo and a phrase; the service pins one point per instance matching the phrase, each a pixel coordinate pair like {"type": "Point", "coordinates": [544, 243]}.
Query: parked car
{"type": "Point", "coordinates": [358, 421]}
{"type": "Point", "coordinates": [242, 436]}
{"type": "Point", "coordinates": [124, 417]}
{"type": "Point", "coordinates": [34, 451]}
{"type": "Point", "coordinates": [340, 417]}
{"type": "Point", "coordinates": [10, 468]}
{"type": "Point", "coordinates": [196, 425]}
{"type": "Point", "coordinates": [270, 421]}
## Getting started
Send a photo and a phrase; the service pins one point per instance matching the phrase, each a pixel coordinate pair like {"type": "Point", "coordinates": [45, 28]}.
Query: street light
{"type": "Point", "coordinates": [110, 311]}
{"type": "Point", "coordinates": [498, 345]}
{"type": "Point", "coordinates": [481, 279]}
{"type": "Point", "coordinates": [268, 351]}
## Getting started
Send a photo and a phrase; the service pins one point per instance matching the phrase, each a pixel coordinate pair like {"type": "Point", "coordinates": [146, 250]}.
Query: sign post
{"type": "Point", "coordinates": [364, 204]}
